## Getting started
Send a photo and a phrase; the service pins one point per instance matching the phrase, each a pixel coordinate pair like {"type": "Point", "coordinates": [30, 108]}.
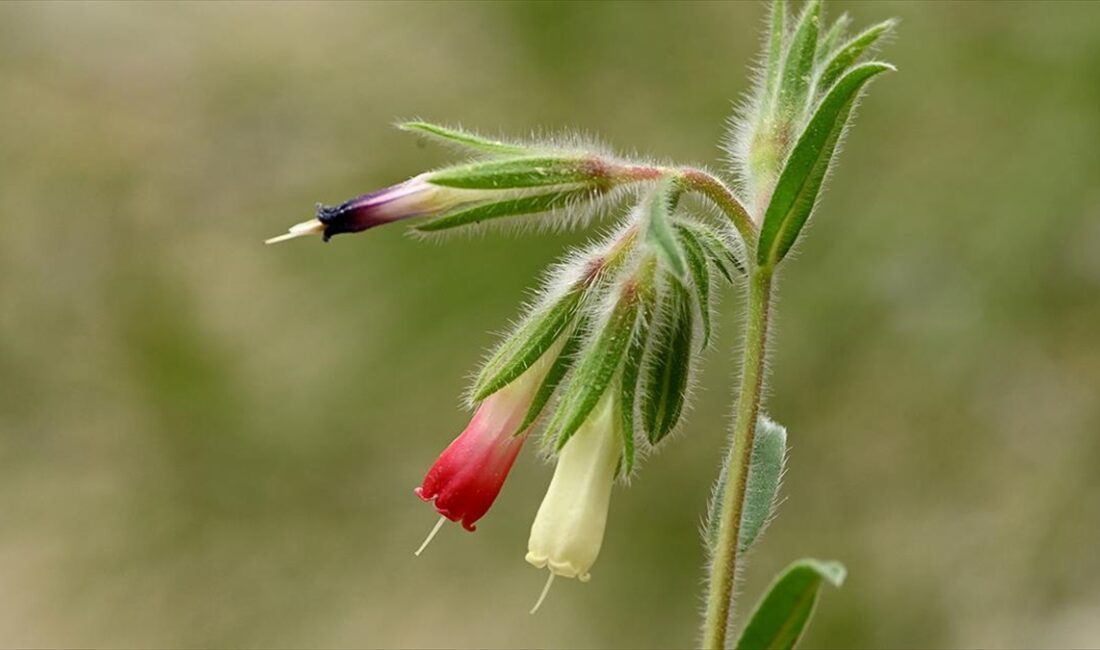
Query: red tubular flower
{"type": "Point", "coordinates": [468, 475]}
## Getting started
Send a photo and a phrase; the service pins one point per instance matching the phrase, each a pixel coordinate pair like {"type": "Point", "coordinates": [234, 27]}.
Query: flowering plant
{"type": "Point", "coordinates": [602, 362]}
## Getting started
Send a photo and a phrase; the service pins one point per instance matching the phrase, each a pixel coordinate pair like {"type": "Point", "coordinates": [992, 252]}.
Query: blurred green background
{"type": "Point", "coordinates": [209, 442]}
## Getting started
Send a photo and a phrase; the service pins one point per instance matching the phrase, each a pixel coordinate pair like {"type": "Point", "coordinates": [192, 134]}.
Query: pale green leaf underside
{"type": "Point", "coordinates": [500, 209]}
{"type": "Point", "coordinates": [515, 173]}
{"type": "Point", "coordinates": [659, 230]}
{"type": "Point", "coordinates": [769, 454]}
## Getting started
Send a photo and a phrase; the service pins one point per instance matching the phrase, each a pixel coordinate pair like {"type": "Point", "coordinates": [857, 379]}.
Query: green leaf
{"type": "Point", "coordinates": [561, 366]}
{"type": "Point", "coordinates": [798, 186]}
{"type": "Point", "coordinates": [500, 209]}
{"type": "Point", "coordinates": [659, 229]}
{"type": "Point", "coordinates": [769, 455]}
{"type": "Point", "coordinates": [776, 36]}
{"type": "Point", "coordinates": [833, 37]}
{"type": "Point", "coordinates": [516, 173]}
{"type": "Point", "coordinates": [847, 54]}
{"type": "Point", "coordinates": [527, 343]}
{"type": "Point", "coordinates": [798, 66]}
{"type": "Point", "coordinates": [781, 616]}
{"type": "Point", "coordinates": [700, 276]}
{"type": "Point", "coordinates": [595, 369]}
{"type": "Point", "coordinates": [720, 252]}
{"type": "Point", "coordinates": [668, 364]}
{"type": "Point", "coordinates": [628, 385]}
{"type": "Point", "coordinates": [461, 137]}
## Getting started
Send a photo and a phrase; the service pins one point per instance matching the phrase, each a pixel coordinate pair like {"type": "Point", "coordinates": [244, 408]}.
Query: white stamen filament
{"type": "Point", "coordinates": [311, 227]}
{"type": "Point", "coordinates": [545, 590]}
{"type": "Point", "coordinates": [431, 536]}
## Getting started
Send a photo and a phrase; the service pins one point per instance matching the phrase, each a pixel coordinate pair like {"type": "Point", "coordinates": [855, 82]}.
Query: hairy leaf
{"type": "Point", "coordinates": [561, 366]}
{"type": "Point", "coordinates": [781, 616]}
{"type": "Point", "coordinates": [659, 230]}
{"type": "Point", "coordinates": [527, 344]}
{"type": "Point", "coordinates": [700, 276]}
{"type": "Point", "coordinates": [848, 53]}
{"type": "Point", "coordinates": [798, 66]}
{"type": "Point", "coordinates": [461, 138]}
{"type": "Point", "coordinates": [668, 364]}
{"type": "Point", "coordinates": [776, 36]}
{"type": "Point", "coordinates": [500, 209]}
{"type": "Point", "coordinates": [628, 383]}
{"type": "Point", "coordinates": [719, 250]}
{"type": "Point", "coordinates": [833, 37]}
{"type": "Point", "coordinates": [516, 173]}
{"type": "Point", "coordinates": [769, 455]}
{"type": "Point", "coordinates": [594, 370]}
{"type": "Point", "coordinates": [804, 172]}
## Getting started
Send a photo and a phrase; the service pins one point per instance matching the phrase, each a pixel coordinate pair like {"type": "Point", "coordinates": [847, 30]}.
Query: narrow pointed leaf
{"type": "Point", "coordinates": [515, 173]}
{"type": "Point", "coordinates": [668, 364]}
{"type": "Point", "coordinates": [769, 455]}
{"type": "Point", "coordinates": [700, 277]}
{"type": "Point", "coordinates": [798, 66]}
{"type": "Point", "coordinates": [798, 186]}
{"type": "Point", "coordinates": [561, 366]}
{"type": "Point", "coordinates": [594, 370]}
{"type": "Point", "coordinates": [500, 209]}
{"type": "Point", "coordinates": [776, 36]}
{"type": "Point", "coordinates": [527, 344]}
{"type": "Point", "coordinates": [659, 231]}
{"type": "Point", "coordinates": [628, 386]}
{"type": "Point", "coordinates": [833, 37]}
{"type": "Point", "coordinates": [781, 616]}
{"type": "Point", "coordinates": [719, 250]}
{"type": "Point", "coordinates": [461, 138]}
{"type": "Point", "coordinates": [848, 53]}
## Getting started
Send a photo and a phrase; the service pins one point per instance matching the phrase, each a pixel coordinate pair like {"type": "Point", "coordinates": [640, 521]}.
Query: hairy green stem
{"type": "Point", "coordinates": [723, 567]}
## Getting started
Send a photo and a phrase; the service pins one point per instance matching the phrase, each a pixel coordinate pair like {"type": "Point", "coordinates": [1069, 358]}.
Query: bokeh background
{"type": "Point", "coordinates": [208, 442]}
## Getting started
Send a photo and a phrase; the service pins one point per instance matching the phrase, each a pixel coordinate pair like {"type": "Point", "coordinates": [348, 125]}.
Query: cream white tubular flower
{"type": "Point", "coordinates": [568, 529]}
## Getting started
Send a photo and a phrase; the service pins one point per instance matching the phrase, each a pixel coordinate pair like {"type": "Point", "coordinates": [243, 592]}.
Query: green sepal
{"type": "Point", "coordinates": [509, 208]}
{"type": "Point", "coordinates": [628, 384]}
{"type": "Point", "coordinates": [780, 617]}
{"type": "Point", "coordinates": [700, 276]}
{"type": "Point", "coordinates": [516, 173]}
{"type": "Point", "coordinates": [769, 456]}
{"type": "Point", "coordinates": [527, 343]}
{"type": "Point", "coordinates": [847, 54]}
{"type": "Point", "coordinates": [798, 66]}
{"type": "Point", "coordinates": [461, 138]}
{"type": "Point", "coordinates": [554, 375]}
{"type": "Point", "coordinates": [596, 367]}
{"type": "Point", "coordinates": [668, 363]}
{"type": "Point", "coordinates": [659, 232]}
{"type": "Point", "coordinates": [804, 172]}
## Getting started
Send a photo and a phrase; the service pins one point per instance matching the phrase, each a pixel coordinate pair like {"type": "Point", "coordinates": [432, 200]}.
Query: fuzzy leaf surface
{"type": "Point", "coordinates": [509, 208]}
{"type": "Point", "coordinates": [798, 66]}
{"type": "Point", "coordinates": [668, 364]}
{"type": "Point", "coordinates": [561, 366]}
{"type": "Point", "coordinates": [461, 138]}
{"type": "Point", "coordinates": [527, 344]}
{"type": "Point", "coordinates": [659, 233]}
{"type": "Point", "coordinates": [800, 182]}
{"type": "Point", "coordinates": [515, 173]}
{"type": "Point", "coordinates": [769, 455]}
{"type": "Point", "coordinates": [781, 616]}
{"type": "Point", "coordinates": [594, 370]}
{"type": "Point", "coordinates": [848, 53]}
{"type": "Point", "coordinates": [700, 277]}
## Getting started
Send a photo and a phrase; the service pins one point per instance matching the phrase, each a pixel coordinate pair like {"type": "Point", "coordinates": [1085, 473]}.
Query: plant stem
{"type": "Point", "coordinates": [723, 568]}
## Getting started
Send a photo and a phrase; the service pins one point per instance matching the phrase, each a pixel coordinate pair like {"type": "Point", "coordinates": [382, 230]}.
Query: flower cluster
{"type": "Point", "coordinates": [601, 363]}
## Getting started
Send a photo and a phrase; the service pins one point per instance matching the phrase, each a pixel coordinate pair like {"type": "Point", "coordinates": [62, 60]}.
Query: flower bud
{"type": "Point", "coordinates": [568, 529]}
{"type": "Point", "coordinates": [416, 197]}
{"type": "Point", "coordinates": [468, 475]}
